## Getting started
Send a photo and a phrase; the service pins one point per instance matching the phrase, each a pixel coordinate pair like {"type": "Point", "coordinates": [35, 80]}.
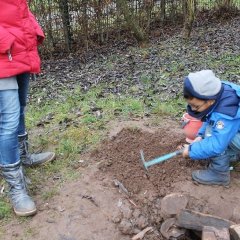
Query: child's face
{"type": "Point", "coordinates": [199, 105]}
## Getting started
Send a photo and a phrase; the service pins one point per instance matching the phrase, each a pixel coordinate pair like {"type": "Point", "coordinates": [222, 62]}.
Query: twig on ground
{"type": "Point", "coordinates": [91, 199]}
{"type": "Point", "coordinates": [141, 234]}
{"type": "Point", "coordinates": [124, 190]}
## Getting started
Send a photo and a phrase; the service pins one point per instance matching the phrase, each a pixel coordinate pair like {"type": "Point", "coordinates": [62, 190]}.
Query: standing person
{"type": "Point", "coordinates": [216, 103]}
{"type": "Point", "coordinates": [20, 35]}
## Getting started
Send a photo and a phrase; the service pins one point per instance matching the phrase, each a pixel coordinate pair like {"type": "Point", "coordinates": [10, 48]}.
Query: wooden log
{"type": "Point", "coordinates": [212, 233]}
{"type": "Point", "coordinates": [196, 220]}
{"type": "Point", "coordinates": [235, 232]}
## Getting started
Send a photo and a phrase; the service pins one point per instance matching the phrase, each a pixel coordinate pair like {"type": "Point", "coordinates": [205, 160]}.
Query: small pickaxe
{"type": "Point", "coordinates": [160, 159]}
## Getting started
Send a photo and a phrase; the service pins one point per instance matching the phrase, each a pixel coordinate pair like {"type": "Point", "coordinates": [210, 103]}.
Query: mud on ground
{"type": "Point", "coordinates": [115, 198]}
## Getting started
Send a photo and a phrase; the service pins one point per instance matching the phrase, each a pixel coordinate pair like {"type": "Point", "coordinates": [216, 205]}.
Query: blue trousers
{"type": "Point", "coordinates": [12, 119]}
{"type": "Point", "coordinates": [23, 86]}
{"type": "Point", "coordinates": [9, 121]}
{"type": "Point", "coordinates": [221, 163]}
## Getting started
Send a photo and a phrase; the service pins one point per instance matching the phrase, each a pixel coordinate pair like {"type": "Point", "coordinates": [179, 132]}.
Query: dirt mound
{"type": "Point", "coordinates": [120, 157]}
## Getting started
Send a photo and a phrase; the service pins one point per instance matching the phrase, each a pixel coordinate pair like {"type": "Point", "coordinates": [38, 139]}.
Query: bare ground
{"type": "Point", "coordinates": [95, 206]}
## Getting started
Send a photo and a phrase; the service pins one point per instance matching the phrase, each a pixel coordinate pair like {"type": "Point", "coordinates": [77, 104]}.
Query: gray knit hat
{"type": "Point", "coordinates": [203, 85]}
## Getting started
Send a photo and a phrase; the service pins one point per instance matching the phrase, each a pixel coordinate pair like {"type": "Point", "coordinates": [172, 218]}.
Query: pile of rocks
{"type": "Point", "coordinates": [178, 221]}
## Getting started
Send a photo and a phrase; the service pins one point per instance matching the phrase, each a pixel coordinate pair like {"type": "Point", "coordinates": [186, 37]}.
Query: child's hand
{"type": "Point", "coordinates": [185, 148]}
{"type": "Point", "coordinates": [185, 153]}
{"type": "Point", "coordinates": [180, 147]}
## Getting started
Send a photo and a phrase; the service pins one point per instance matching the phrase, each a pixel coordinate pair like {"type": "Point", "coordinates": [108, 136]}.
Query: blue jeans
{"type": "Point", "coordinates": [9, 120]}
{"type": "Point", "coordinates": [23, 86]}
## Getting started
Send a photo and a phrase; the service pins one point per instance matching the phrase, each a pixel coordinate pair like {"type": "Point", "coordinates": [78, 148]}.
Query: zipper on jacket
{"type": "Point", "coordinates": [9, 55]}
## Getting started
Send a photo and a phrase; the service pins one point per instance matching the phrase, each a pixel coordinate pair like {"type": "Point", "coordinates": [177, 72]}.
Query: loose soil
{"type": "Point", "coordinates": [115, 198]}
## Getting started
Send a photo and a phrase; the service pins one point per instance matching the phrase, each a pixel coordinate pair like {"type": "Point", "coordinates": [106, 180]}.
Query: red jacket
{"type": "Point", "coordinates": [20, 35]}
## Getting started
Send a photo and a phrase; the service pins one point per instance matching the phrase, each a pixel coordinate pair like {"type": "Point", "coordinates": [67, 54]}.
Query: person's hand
{"type": "Point", "coordinates": [185, 149]}
{"type": "Point", "coordinates": [181, 146]}
{"type": "Point", "coordinates": [185, 152]}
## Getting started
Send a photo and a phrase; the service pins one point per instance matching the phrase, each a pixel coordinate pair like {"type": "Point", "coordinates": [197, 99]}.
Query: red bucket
{"type": "Point", "coordinates": [191, 126]}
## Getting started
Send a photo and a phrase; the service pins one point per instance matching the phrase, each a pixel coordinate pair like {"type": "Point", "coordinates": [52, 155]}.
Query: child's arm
{"type": "Point", "coordinates": [202, 130]}
{"type": "Point", "coordinates": [223, 130]}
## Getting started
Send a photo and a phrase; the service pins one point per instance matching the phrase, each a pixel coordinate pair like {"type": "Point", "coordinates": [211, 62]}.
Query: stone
{"type": "Point", "coordinates": [172, 204]}
{"type": "Point", "coordinates": [126, 227]}
{"type": "Point", "coordinates": [236, 214]}
{"type": "Point", "coordinates": [235, 231]}
{"type": "Point", "coordinates": [170, 230]}
{"type": "Point", "coordinates": [212, 233]}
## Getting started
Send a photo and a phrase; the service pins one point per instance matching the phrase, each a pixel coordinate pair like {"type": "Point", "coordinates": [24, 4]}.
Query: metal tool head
{"type": "Point", "coordinates": [142, 160]}
{"type": "Point", "coordinates": [157, 160]}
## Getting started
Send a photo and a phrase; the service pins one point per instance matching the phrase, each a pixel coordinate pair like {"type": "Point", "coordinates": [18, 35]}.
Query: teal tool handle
{"type": "Point", "coordinates": [163, 158]}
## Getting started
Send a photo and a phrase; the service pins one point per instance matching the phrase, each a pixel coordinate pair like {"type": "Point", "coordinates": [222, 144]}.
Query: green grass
{"type": "Point", "coordinates": [5, 209]}
{"type": "Point", "coordinates": [47, 195]}
{"type": "Point", "coordinates": [88, 129]}
{"type": "Point", "coordinates": [172, 108]}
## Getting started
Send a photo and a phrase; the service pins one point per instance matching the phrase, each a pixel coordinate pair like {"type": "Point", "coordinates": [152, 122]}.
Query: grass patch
{"type": "Point", "coordinates": [49, 194]}
{"type": "Point", "coordinates": [174, 107]}
{"type": "Point", "coordinates": [72, 133]}
{"type": "Point", "coordinates": [5, 209]}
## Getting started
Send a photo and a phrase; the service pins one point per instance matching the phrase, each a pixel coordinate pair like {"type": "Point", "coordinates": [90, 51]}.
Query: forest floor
{"type": "Point", "coordinates": [113, 197]}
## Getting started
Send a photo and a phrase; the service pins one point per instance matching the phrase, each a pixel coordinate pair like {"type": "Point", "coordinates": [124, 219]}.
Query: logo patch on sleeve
{"type": "Point", "coordinates": [219, 125]}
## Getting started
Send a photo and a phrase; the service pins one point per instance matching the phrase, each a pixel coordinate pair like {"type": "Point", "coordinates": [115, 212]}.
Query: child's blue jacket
{"type": "Point", "coordinates": [221, 125]}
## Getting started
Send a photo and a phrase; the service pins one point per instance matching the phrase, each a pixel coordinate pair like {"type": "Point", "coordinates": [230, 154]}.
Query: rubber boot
{"type": "Point", "coordinates": [217, 173]}
{"type": "Point", "coordinates": [34, 159]}
{"type": "Point", "coordinates": [23, 205]}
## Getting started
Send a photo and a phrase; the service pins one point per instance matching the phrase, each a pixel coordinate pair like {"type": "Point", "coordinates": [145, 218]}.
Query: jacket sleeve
{"type": "Point", "coordinates": [6, 40]}
{"type": "Point", "coordinates": [202, 129]}
{"type": "Point", "coordinates": [38, 29]}
{"type": "Point", "coordinates": [223, 130]}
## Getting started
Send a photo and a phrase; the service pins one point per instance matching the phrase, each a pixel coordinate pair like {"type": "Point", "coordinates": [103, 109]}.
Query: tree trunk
{"type": "Point", "coordinates": [163, 10]}
{"type": "Point", "coordinates": [148, 6]}
{"type": "Point", "coordinates": [189, 6]}
{"type": "Point", "coordinates": [98, 5]}
{"type": "Point", "coordinates": [85, 23]}
{"type": "Point", "coordinates": [63, 7]}
{"type": "Point", "coordinates": [131, 22]}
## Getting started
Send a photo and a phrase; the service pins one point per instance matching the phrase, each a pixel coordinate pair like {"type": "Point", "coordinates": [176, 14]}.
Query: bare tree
{"type": "Point", "coordinates": [85, 23]}
{"type": "Point", "coordinates": [131, 22]}
{"type": "Point", "coordinates": [189, 13]}
{"type": "Point", "coordinates": [63, 7]}
{"type": "Point", "coordinates": [163, 9]}
{"type": "Point", "coordinates": [148, 6]}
